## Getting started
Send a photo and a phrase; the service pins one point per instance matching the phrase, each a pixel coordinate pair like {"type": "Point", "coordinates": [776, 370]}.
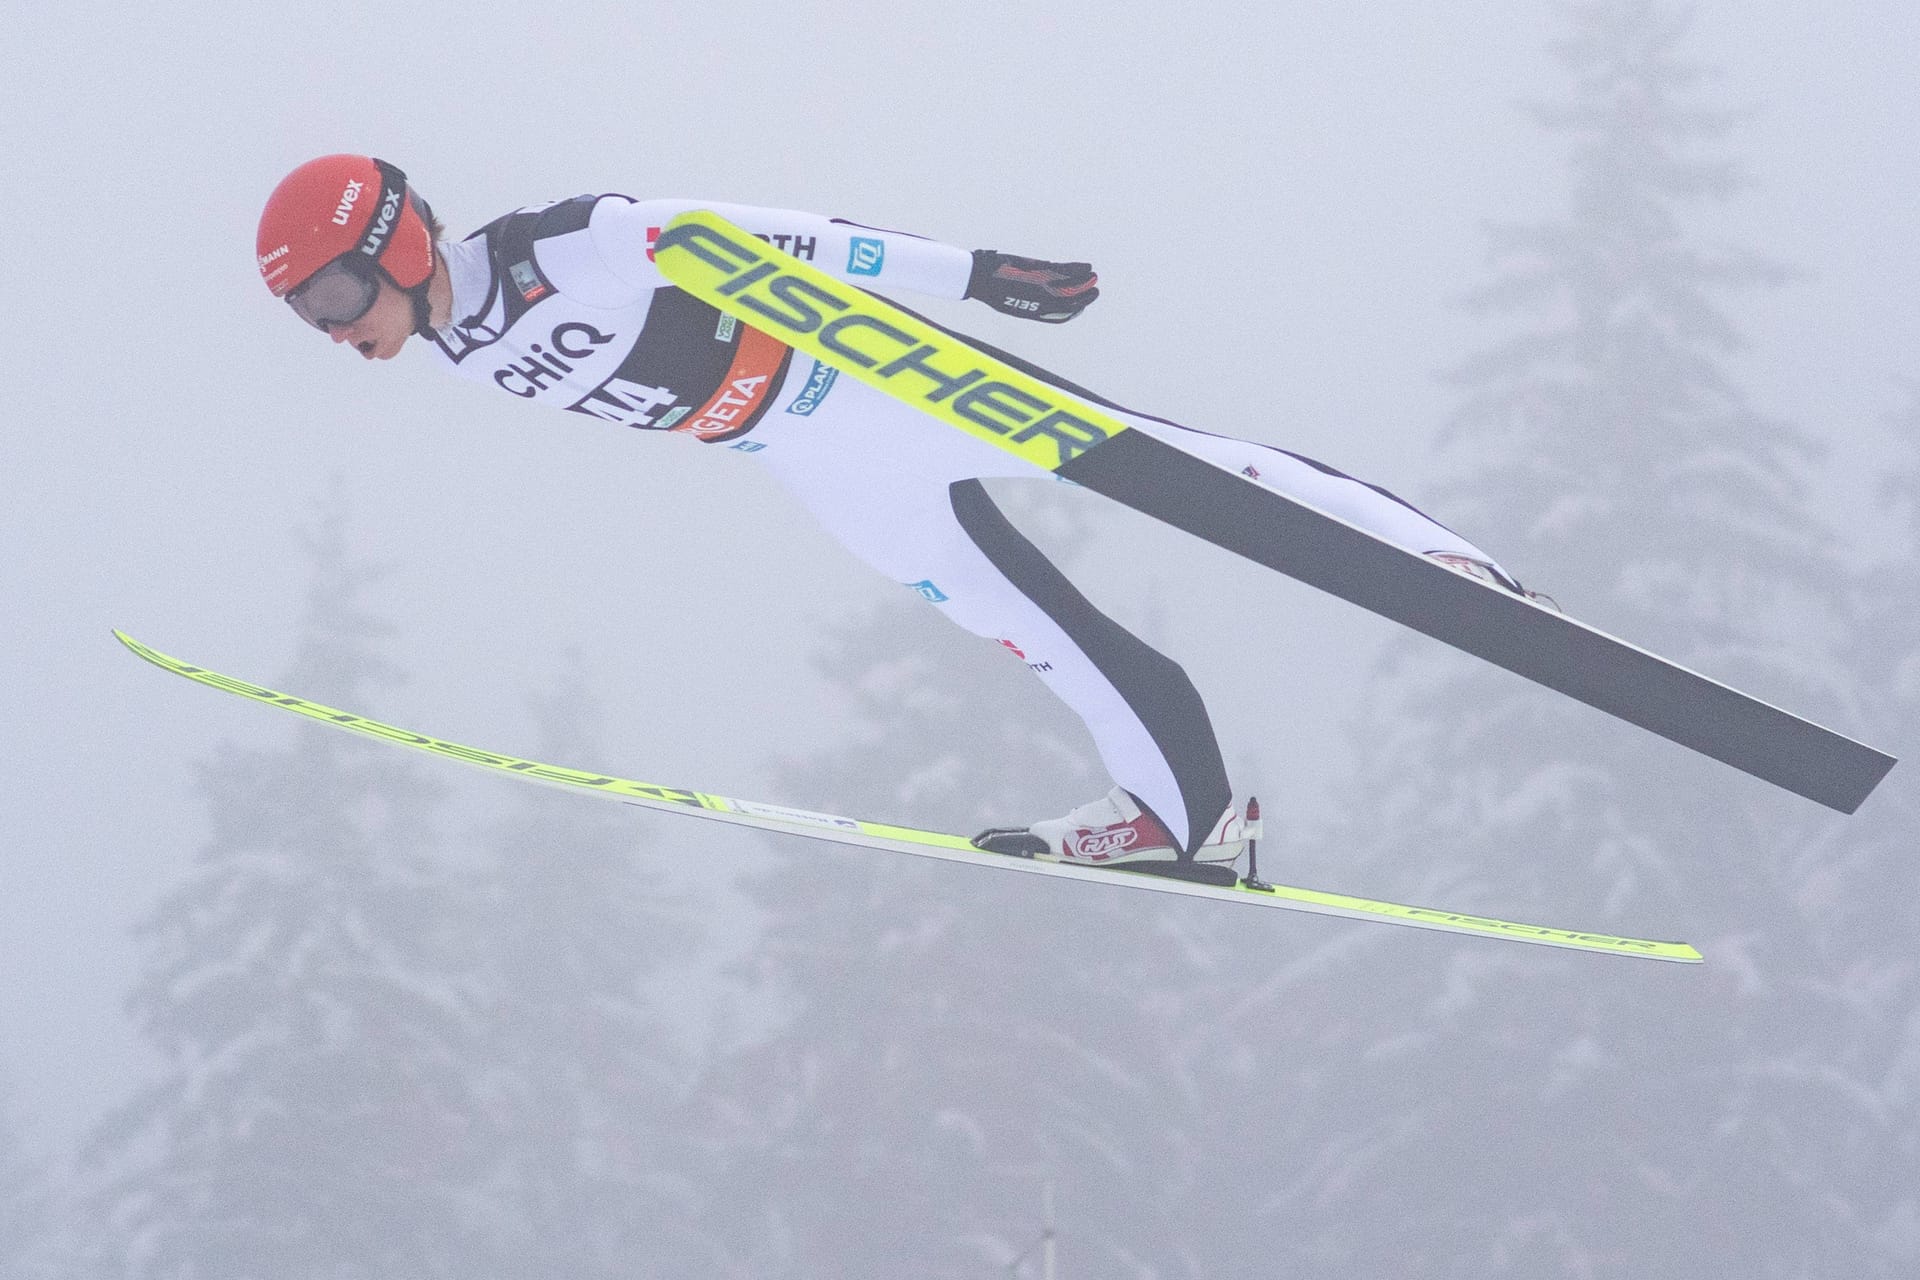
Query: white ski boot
{"type": "Point", "coordinates": [1228, 839]}
{"type": "Point", "coordinates": [1484, 571]}
{"type": "Point", "coordinates": [1112, 831]}
{"type": "Point", "coordinates": [1106, 832]}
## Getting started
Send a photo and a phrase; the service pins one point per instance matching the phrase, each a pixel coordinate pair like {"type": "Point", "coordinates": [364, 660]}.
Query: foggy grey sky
{"type": "Point", "coordinates": [1280, 201]}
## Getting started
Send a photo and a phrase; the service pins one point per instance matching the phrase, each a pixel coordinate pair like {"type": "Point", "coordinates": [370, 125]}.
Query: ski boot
{"type": "Point", "coordinates": [1114, 831]}
{"type": "Point", "coordinates": [1484, 571]}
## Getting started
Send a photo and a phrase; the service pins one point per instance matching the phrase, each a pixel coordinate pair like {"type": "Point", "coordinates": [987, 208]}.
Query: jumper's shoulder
{"type": "Point", "coordinates": [563, 217]}
{"type": "Point", "coordinates": [536, 222]}
{"type": "Point", "coordinates": [571, 247]}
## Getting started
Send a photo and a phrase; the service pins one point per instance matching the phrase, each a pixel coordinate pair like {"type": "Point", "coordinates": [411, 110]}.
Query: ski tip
{"type": "Point", "coordinates": [132, 646]}
{"type": "Point", "coordinates": [153, 656]}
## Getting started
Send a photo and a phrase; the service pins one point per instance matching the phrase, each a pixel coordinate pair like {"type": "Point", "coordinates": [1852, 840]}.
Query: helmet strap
{"type": "Point", "coordinates": [422, 311]}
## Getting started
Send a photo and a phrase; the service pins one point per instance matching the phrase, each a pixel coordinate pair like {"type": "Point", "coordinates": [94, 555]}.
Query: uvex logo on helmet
{"type": "Point", "coordinates": [377, 234]}
{"type": "Point", "coordinates": [326, 209]}
{"type": "Point", "coordinates": [348, 198]}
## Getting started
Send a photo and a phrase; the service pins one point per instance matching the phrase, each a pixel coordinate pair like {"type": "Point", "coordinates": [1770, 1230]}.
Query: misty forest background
{"type": "Point", "coordinates": [419, 1024]}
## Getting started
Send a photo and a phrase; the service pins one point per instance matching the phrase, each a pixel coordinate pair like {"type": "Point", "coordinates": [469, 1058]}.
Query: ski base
{"type": "Point", "coordinates": [929, 844]}
{"type": "Point", "coordinates": [1219, 873]}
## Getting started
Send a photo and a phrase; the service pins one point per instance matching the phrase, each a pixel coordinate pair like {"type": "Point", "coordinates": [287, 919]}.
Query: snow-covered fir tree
{"type": "Point", "coordinates": [28, 1228]}
{"type": "Point", "coordinates": [593, 1174]}
{"type": "Point", "coordinates": [1851, 1063]}
{"type": "Point", "coordinates": [306, 989]}
{"type": "Point", "coordinates": [1511, 1112]}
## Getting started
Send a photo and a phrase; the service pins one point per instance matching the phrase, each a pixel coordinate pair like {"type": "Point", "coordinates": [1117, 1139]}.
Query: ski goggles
{"type": "Point", "coordinates": [338, 293]}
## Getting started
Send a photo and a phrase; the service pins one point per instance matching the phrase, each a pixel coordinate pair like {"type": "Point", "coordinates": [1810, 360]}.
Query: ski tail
{"type": "Point", "coordinates": [1023, 410]}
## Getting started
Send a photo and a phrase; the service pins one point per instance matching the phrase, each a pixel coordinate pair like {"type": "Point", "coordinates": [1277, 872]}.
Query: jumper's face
{"type": "Point", "coordinates": [384, 329]}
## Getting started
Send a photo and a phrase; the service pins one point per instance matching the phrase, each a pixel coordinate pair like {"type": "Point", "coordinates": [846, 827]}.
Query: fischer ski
{"type": "Point", "coordinates": [929, 844]}
{"type": "Point", "coordinates": [1027, 412]}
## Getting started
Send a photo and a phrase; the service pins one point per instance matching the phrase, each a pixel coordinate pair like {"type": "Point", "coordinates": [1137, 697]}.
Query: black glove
{"type": "Point", "coordinates": [1055, 292]}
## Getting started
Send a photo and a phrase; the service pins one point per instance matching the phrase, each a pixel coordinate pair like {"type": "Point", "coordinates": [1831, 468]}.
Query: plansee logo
{"type": "Point", "coordinates": [348, 198]}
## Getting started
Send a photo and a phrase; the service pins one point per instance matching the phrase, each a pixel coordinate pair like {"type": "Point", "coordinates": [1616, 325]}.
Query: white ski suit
{"type": "Point", "coordinates": [561, 305]}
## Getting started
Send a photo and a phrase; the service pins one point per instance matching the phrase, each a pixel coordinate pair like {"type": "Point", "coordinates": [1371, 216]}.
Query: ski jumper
{"type": "Point", "coordinates": [561, 305]}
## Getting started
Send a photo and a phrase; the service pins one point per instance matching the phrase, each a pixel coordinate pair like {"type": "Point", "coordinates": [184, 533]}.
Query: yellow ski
{"type": "Point", "coordinates": [930, 844]}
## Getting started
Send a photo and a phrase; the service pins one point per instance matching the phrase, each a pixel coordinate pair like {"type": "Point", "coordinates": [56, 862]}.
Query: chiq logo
{"type": "Point", "coordinates": [948, 379]}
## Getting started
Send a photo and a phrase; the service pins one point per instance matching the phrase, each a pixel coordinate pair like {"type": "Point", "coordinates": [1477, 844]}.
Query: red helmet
{"type": "Point", "coordinates": [344, 204]}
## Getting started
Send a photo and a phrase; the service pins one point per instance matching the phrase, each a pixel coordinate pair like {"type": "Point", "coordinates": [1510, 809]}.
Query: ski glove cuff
{"type": "Point", "coordinates": [1054, 292]}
